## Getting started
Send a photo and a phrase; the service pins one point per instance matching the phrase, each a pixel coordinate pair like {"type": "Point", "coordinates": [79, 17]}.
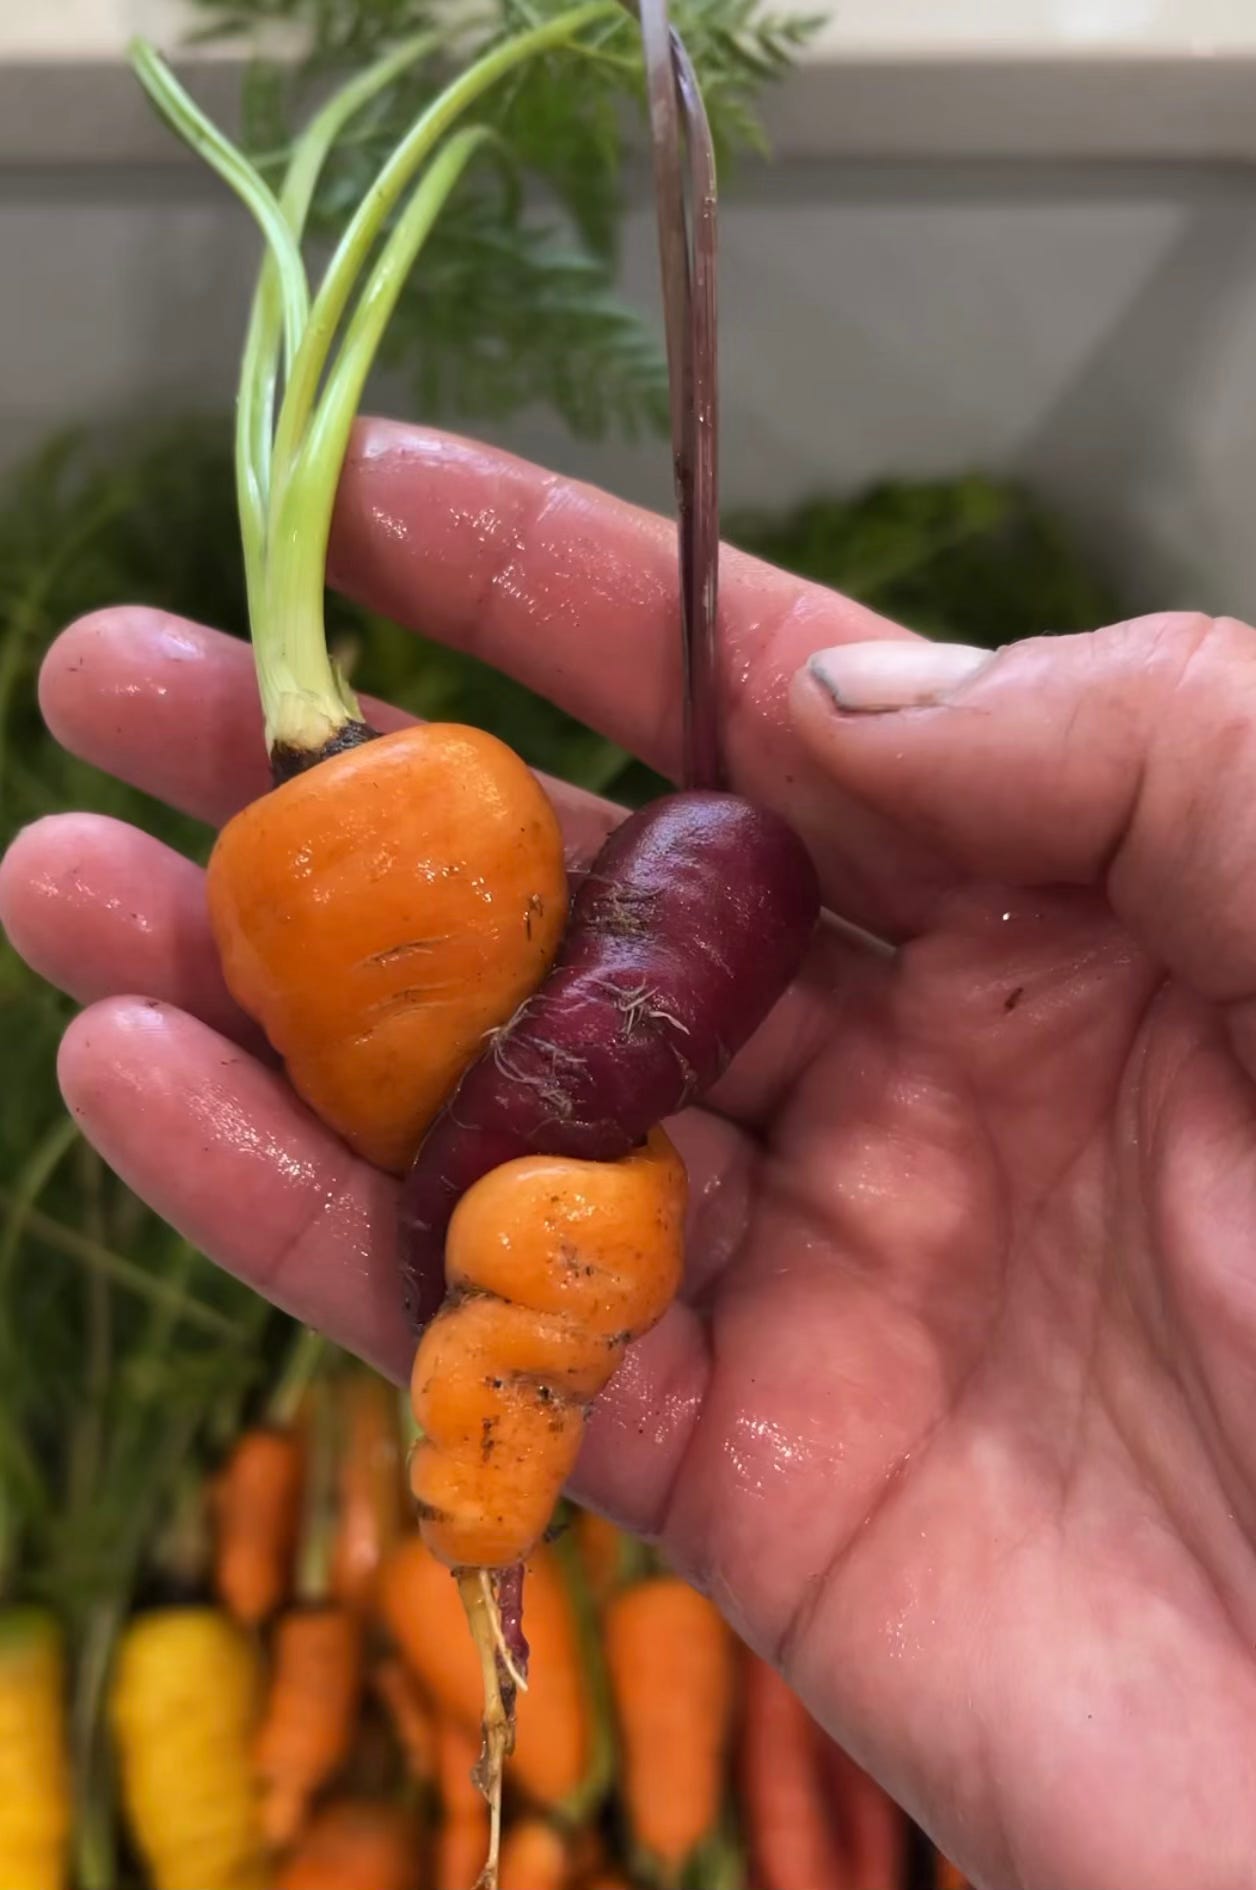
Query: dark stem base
{"type": "Point", "coordinates": [286, 763]}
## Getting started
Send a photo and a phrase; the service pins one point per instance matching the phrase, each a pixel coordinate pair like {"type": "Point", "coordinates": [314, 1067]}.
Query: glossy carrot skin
{"type": "Point", "coordinates": [553, 1266]}
{"type": "Point", "coordinates": [379, 914]}
{"type": "Point", "coordinates": [794, 1840]}
{"type": "Point", "coordinates": [356, 1844]}
{"type": "Point", "coordinates": [256, 1504]}
{"type": "Point", "coordinates": [555, 1744]}
{"type": "Point", "coordinates": [311, 1713]}
{"type": "Point", "coordinates": [672, 1664]}
{"type": "Point", "coordinates": [370, 1488]}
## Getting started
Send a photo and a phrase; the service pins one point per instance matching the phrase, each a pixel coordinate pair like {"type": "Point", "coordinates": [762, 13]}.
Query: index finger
{"type": "Point", "coordinates": [575, 594]}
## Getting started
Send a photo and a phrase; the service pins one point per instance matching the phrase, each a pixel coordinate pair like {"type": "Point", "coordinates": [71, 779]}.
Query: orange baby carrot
{"type": "Point", "coordinates": [311, 1712]}
{"type": "Point", "coordinates": [379, 913]}
{"type": "Point", "coordinates": [256, 1504]}
{"type": "Point", "coordinates": [873, 1828]}
{"type": "Point", "coordinates": [670, 1661]}
{"type": "Point", "coordinates": [356, 1844]}
{"type": "Point", "coordinates": [555, 1743]}
{"type": "Point", "coordinates": [947, 1876]}
{"type": "Point", "coordinates": [370, 1487]}
{"type": "Point", "coordinates": [794, 1841]}
{"type": "Point", "coordinates": [535, 1856]}
{"type": "Point", "coordinates": [412, 1720]}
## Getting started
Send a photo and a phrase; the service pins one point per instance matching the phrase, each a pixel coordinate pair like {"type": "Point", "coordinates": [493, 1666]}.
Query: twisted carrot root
{"type": "Point", "coordinates": [552, 1267]}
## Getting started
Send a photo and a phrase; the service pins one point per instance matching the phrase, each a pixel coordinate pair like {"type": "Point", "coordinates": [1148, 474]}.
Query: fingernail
{"type": "Point", "coordinates": [873, 678]}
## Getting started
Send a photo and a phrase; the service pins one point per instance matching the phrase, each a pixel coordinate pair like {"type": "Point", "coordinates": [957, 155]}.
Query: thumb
{"type": "Point", "coordinates": [1124, 759]}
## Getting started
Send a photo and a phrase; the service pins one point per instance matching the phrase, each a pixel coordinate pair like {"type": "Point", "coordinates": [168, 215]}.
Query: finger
{"type": "Point", "coordinates": [172, 708]}
{"type": "Point", "coordinates": [97, 908]}
{"type": "Point", "coordinates": [576, 595]}
{"type": "Point", "coordinates": [220, 1148]}
{"type": "Point", "coordinates": [1125, 760]}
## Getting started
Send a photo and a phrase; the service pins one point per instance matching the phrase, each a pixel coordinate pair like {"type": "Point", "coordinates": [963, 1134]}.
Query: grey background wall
{"type": "Point", "coordinates": [1090, 327]}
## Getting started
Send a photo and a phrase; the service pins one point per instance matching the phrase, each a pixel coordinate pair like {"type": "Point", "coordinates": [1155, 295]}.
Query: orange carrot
{"type": "Point", "coordinates": [356, 1844]}
{"type": "Point", "coordinates": [368, 1511]}
{"type": "Point", "coordinates": [535, 1856]}
{"type": "Point", "coordinates": [947, 1876]}
{"type": "Point", "coordinates": [603, 1551]}
{"type": "Point", "coordinates": [462, 1840]}
{"type": "Point", "coordinates": [873, 1828]}
{"type": "Point", "coordinates": [670, 1660]}
{"type": "Point", "coordinates": [794, 1842]}
{"type": "Point", "coordinates": [555, 1744]}
{"type": "Point", "coordinates": [311, 1713]}
{"type": "Point", "coordinates": [552, 1266]}
{"type": "Point", "coordinates": [380, 913]}
{"type": "Point", "coordinates": [256, 1501]}
{"type": "Point", "coordinates": [410, 1715]}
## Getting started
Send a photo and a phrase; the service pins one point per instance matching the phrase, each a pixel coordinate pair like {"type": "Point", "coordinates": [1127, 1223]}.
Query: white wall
{"type": "Point", "coordinates": [1094, 329]}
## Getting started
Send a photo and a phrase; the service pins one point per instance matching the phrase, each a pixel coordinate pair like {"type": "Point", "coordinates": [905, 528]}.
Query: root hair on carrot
{"type": "Point", "coordinates": [498, 1725]}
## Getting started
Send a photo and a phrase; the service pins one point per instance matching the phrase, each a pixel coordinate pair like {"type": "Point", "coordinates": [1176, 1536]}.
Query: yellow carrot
{"type": "Point", "coordinates": [183, 1707]}
{"type": "Point", "coordinates": [34, 1768]}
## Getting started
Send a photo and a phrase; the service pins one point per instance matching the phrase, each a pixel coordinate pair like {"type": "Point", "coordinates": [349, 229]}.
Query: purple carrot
{"type": "Point", "coordinates": [690, 923]}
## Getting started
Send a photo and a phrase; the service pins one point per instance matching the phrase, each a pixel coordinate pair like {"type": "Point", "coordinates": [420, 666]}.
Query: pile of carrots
{"type": "Point", "coordinates": [305, 1713]}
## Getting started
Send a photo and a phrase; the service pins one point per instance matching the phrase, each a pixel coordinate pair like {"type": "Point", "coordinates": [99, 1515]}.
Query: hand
{"type": "Point", "coordinates": [955, 1420]}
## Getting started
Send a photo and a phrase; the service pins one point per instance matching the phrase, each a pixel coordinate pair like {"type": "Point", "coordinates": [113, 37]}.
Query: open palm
{"type": "Point", "coordinates": [954, 1418]}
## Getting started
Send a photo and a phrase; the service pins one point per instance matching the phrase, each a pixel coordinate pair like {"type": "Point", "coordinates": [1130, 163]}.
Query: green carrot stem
{"type": "Point", "coordinates": [259, 376]}
{"type": "Point", "coordinates": [303, 504]}
{"type": "Point", "coordinates": [308, 1353]}
{"type": "Point", "coordinates": [123, 1272]}
{"type": "Point", "coordinates": [313, 1574]}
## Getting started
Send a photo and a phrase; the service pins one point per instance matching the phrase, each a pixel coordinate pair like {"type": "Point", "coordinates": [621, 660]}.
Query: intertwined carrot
{"type": "Point", "coordinates": [553, 1266]}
